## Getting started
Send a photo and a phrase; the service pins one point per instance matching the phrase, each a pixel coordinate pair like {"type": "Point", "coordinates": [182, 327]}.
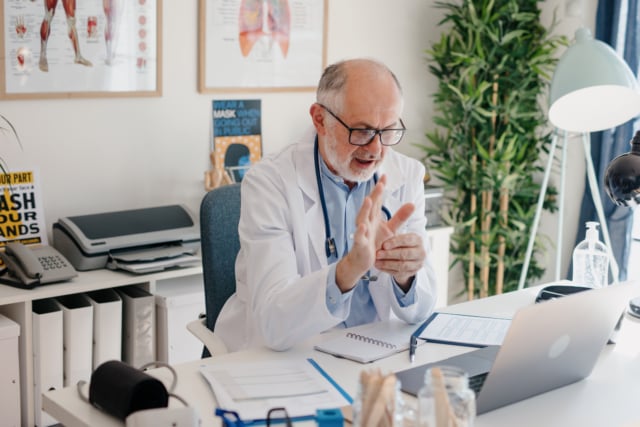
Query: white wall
{"type": "Point", "coordinates": [108, 154]}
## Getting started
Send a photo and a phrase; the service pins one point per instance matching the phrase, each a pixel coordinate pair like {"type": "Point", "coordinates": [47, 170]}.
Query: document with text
{"type": "Point", "coordinates": [461, 329]}
{"type": "Point", "coordinates": [251, 389]}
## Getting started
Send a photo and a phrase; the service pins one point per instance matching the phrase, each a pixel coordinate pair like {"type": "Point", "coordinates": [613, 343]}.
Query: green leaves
{"type": "Point", "coordinates": [7, 129]}
{"type": "Point", "coordinates": [493, 62]}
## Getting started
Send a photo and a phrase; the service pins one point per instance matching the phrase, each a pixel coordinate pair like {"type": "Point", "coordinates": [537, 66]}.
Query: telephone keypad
{"type": "Point", "coordinates": [52, 262]}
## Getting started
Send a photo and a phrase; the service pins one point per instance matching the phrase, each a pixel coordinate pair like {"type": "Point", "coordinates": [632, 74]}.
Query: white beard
{"type": "Point", "coordinates": [342, 166]}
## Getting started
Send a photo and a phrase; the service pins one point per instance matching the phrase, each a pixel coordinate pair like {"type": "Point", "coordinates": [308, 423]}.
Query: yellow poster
{"type": "Point", "coordinates": [21, 213]}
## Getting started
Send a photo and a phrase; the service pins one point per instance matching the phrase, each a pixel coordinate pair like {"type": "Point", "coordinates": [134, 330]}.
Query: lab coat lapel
{"type": "Point", "coordinates": [313, 217]}
{"type": "Point", "coordinates": [395, 182]}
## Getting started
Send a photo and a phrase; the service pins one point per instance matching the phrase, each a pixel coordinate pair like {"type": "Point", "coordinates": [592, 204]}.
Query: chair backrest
{"type": "Point", "coordinates": [219, 217]}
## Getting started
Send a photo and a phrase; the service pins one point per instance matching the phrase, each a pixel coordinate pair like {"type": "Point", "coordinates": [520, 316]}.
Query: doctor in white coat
{"type": "Point", "coordinates": [332, 230]}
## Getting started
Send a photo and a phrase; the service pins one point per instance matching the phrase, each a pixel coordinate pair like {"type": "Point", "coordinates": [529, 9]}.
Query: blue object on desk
{"type": "Point", "coordinates": [329, 418]}
{"type": "Point", "coordinates": [331, 380]}
{"type": "Point", "coordinates": [232, 419]}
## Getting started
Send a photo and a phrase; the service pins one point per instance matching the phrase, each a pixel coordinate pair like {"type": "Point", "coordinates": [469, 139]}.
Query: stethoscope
{"type": "Point", "coordinates": [330, 243]}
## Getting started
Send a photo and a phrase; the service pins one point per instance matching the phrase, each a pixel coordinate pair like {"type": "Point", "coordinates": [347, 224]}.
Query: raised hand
{"type": "Point", "coordinates": [372, 232]}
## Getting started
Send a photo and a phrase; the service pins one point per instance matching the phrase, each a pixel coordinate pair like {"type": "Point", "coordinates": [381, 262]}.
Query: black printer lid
{"type": "Point", "coordinates": [135, 221]}
{"type": "Point", "coordinates": [131, 228]}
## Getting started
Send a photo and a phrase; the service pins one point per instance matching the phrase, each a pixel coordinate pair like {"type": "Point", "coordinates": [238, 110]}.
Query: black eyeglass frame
{"type": "Point", "coordinates": [376, 131]}
{"type": "Point", "coordinates": [232, 418]}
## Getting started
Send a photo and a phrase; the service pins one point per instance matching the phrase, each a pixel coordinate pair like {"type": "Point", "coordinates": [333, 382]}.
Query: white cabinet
{"type": "Point", "coordinates": [178, 302]}
{"type": "Point", "coordinates": [9, 384]}
{"type": "Point", "coordinates": [16, 304]}
{"type": "Point", "coordinates": [439, 238]}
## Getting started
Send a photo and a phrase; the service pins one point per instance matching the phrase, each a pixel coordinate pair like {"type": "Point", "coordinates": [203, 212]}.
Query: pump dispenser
{"type": "Point", "coordinates": [591, 260]}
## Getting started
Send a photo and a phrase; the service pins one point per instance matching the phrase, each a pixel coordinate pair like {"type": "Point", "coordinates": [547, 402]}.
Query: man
{"type": "Point", "coordinates": [318, 249]}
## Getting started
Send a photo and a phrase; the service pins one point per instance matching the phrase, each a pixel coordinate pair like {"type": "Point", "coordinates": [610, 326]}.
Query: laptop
{"type": "Point", "coordinates": [548, 345]}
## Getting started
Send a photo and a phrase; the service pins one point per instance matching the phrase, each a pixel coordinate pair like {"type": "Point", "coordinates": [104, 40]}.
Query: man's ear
{"type": "Point", "coordinates": [317, 117]}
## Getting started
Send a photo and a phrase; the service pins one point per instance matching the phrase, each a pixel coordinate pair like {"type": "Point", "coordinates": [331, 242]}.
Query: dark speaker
{"type": "Point", "coordinates": [120, 389]}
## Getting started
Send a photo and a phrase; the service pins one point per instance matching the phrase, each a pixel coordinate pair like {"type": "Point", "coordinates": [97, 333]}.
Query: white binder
{"type": "Point", "coordinates": [178, 301]}
{"type": "Point", "coordinates": [9, 373]}
{"type": "Point", "coordinates": [77, 320]}
{"type": "Point", "coordinates": [138, 326]}
{"type": "Point", "coordinates": [47, 354]}
{"type": "Point", "coordinates": [107, 326]}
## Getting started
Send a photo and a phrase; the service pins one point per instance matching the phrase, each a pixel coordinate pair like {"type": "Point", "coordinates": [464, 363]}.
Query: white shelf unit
{"type": "Point", "coordinates": [16, 304]}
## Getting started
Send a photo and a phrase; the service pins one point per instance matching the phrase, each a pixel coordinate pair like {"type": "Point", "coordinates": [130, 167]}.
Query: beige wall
{"type": "Point", "coordinates": [110, 154]}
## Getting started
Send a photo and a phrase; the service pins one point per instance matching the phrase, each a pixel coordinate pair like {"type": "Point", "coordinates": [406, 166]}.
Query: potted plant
{"type": "Point", "coordinates": [493, 62]}
{"type": "Point", "coordinates": [7, 128]}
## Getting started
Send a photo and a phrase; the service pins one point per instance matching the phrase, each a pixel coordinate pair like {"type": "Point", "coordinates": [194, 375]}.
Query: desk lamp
{"type": "Point", "coordinates": [592, 89]}
{"type": "Point", "coordinates": [622, 177]}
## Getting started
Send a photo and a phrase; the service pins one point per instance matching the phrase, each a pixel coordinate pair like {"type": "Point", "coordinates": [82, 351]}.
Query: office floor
{"type": "Point", "coordinates": [633, 268]}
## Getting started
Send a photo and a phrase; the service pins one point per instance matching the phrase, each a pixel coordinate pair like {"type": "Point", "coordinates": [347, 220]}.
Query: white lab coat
{"type": "Point", "coordinates": [281, 269]}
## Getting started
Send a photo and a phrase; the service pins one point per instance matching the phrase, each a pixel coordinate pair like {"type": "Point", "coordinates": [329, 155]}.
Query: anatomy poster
{"type": "Point", "coordinates": [61, 48]}
{"type": "Point", "coordinates": [237, 136]}
{"type": "Point", "coordinates": [264, 44]}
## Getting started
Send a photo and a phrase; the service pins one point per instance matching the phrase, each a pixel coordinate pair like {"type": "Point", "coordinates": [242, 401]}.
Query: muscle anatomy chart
{"type": "Point", "coordinates": [69, 46]}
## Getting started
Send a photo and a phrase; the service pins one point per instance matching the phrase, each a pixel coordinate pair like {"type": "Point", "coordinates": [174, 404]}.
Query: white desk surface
{"type": "Point", "coordinates": [608, 397]}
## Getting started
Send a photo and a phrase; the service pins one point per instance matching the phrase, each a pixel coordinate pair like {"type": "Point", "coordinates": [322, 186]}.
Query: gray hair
{"type": "Point", "coordinates": [334, 78]}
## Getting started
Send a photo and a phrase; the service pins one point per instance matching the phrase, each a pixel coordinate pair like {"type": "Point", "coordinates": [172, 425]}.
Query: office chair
{"type": "Point", "coordinates": [219, 242]}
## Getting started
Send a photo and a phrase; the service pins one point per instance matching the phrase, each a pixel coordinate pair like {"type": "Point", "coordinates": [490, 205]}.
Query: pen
{"type": "Point", "coordinates": [416, 334]}
{"type": "Point", "coordinates": [412, 348]}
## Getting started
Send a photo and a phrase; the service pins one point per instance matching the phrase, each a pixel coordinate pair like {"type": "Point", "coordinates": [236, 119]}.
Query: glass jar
{"type": "Point", "coordinates": [387, 406]}
{"type": "Point", "coordinates": [445, 399]}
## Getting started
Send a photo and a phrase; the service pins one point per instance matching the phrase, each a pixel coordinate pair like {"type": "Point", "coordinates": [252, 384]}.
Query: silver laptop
{"type": "Point", "coordinates": [548, 345]}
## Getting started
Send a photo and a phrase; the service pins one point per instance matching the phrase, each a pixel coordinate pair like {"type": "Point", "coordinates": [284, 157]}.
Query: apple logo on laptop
{"type": "Point", "coordinates": [559, 346]}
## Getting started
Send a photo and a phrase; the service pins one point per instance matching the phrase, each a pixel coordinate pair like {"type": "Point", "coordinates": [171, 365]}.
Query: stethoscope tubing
{"type": "Point", "coordinates": [330, 243]}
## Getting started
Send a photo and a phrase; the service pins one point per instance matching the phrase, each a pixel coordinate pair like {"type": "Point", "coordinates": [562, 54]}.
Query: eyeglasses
{"type": "Point", "coordinates": [274, 416]}
{"type": "Point", "coordinates": [364, 136]}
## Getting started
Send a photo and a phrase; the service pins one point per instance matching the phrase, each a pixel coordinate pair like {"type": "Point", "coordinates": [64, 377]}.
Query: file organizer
{"type": "Point", "coordinates": [77, 322]}
{"type": "Point", "coordinates": [9, 372]}
{"type": "Point", "coordinates": [47, 354]}
{"type": "Point", "coordinates": [138, 326]}
{"type": "Point", "coordinates": [107, 326]}
{"type": "Point", "coordinates": [178, 302]}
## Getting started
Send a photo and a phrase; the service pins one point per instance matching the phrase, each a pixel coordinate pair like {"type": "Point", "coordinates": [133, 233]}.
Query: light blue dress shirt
{"type": "Point", "coordinates": [343, 205]}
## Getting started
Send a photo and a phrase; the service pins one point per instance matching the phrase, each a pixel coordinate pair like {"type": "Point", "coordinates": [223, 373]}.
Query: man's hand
{"type": "Point", "coordinates": [373, 230]}
{"type": "Point", "coordinates": [401, 256]}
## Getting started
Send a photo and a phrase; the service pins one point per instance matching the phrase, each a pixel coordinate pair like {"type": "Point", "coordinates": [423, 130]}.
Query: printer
{"type": "Point", "coordinates": [138, 240]}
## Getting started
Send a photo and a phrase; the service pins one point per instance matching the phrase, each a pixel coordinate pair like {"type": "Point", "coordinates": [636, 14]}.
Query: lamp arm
{"type": "Point", "coordinates": [536, 219]}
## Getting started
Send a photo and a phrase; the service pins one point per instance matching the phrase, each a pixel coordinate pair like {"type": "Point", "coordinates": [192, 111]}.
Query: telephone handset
{"type": "Point", "coordinates": [35, 265]}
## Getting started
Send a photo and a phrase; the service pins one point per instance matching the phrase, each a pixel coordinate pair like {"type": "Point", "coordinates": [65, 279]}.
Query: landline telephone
{"type": "Point", "coordinates": [34, 265]}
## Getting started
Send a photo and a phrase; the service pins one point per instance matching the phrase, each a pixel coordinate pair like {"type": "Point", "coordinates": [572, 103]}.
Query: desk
{"type": "Point", "coordinates": [608, 397]}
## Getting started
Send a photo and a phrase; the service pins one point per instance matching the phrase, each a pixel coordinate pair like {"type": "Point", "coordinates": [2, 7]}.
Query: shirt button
{"type": "Point", "coordinates": [332, 300]}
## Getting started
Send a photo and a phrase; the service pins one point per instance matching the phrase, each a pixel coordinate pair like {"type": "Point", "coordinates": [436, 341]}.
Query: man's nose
{"type": "Point", "coordinates": [375, 146]}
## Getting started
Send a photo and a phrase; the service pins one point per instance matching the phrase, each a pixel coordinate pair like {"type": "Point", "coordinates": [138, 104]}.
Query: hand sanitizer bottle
{"type": "Point", "coordinates": [591, 260]}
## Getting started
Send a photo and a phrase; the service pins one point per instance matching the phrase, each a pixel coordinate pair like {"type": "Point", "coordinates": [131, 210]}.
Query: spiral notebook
{"type": "Point", "coordinates": [370, 342]}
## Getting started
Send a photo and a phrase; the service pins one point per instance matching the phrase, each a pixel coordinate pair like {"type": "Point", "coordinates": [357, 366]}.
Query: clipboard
{"type": "Point", "coordinates": [463, 329]}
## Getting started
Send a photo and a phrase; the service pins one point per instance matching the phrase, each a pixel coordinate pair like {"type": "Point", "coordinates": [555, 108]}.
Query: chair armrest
{"type": "Point", "coordinates": [207, 337]}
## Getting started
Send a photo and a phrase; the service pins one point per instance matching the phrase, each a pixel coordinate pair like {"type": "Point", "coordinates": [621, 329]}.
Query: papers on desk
{"type": "Point", "coordinates": [251, 389]}
{"type": "Point", "coordinates": [148, 260]}
{"type": "Point", "coordinates": [462, 329]}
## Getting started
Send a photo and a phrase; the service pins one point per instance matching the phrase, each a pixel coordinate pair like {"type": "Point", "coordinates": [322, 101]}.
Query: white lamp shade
{"type": "Point", "coordinates": [592, 88]}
